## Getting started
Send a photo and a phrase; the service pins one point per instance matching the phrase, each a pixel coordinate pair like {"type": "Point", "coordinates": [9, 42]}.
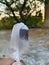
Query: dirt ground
{"type": "Point", "coordinates": [38, 32]}
{"type": "Point", "coordinates": [35, 34]}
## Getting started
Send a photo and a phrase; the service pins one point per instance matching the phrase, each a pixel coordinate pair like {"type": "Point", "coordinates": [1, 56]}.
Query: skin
{"type": "Point", "coordinates": [9, 61]}
{"type": "Point", "coordinates": [17, 63]}
{"type": "Point", "coordinates": [6, 61]}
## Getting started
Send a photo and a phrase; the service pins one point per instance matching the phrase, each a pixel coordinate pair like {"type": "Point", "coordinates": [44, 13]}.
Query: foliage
{"type": "Point", "coordinates": [24, 11]}
{"type": "Point", "coordinates": [32, 22]}
{"type": "Point", "coordinates": [5, 23]}
{"type": "Point", "coordinates": [46, 1]}
{"type": "Point", "coordinates": [23, 7]}
{"type": "Point", "coordinates": [35, 21]}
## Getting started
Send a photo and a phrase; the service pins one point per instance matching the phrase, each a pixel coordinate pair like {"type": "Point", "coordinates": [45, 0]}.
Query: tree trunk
{"type": "Point", "coordinates": [46, 24]}
{"type": "Point", "coordinates": [11, 9]}
{"type": "Point", "coordinates": [22, 8]}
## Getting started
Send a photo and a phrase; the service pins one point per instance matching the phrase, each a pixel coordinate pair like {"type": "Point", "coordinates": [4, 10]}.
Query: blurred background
{"type": "Point", "coordinates": [30, 12]}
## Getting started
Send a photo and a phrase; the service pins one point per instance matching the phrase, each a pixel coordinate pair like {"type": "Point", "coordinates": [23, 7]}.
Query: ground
{"type": "Point", "coordinates": [38, 47]}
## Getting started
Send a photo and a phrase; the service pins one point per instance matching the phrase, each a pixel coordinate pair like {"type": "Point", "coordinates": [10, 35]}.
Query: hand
{"type": "Point", "coordinates": [17, 63]}
{"type": "Point", "coordinates": [6, 61]}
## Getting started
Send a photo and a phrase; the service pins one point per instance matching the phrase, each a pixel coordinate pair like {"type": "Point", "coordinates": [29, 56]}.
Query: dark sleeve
{"type": "Point", "coordinates": [24, 34]}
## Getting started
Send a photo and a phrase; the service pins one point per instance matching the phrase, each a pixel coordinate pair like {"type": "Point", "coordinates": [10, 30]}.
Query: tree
{"type": "Point", "coordinates": [46, 24]}
{"type": "Point", "coordinates": [24, 7]}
